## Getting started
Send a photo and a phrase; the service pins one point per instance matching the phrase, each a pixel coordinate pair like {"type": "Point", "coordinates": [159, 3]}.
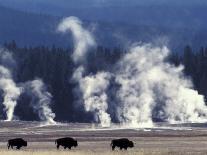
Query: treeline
{"type": "Point", "coordinates": [55, 67]}
{"type": "Point", "coordinates": [195, 63]}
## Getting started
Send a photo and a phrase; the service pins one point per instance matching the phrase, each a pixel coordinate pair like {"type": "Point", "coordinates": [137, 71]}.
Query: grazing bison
{"type": "Point", "coordinates": [66, 142]}
{"type": "Point", "coordinates": [18, 142]}
{"type": "Point", "coordinates": [123, 143]}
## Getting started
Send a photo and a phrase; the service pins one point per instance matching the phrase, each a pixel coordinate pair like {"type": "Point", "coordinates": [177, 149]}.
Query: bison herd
{"type": "Point", "coordinates": [68, 142]}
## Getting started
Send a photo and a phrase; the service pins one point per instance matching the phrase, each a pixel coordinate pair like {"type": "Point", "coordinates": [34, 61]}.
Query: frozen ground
{"type": "Point", "coordinates": [166, 139]}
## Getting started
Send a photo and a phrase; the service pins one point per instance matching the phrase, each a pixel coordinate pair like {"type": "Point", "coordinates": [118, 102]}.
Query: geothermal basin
{"type": "Point", "coordinates": [161, 139]}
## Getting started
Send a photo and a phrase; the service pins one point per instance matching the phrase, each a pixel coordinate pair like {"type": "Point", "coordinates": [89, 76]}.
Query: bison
{"type": "Point", "coordinates": [66, 142]}
{"type": "Point", "coordinates": [18, 142]}
{"type": "Point", "coordinates": [123, 143]}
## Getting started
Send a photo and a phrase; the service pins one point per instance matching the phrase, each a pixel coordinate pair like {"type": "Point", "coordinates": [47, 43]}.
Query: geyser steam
{"type": "Point", "coordinates": [91, 87]}
{"type": "Point", "coordinates": [10, 91]}
{"type": "Point", "coordinates": [95, 98]}
{"type": "Point", "coordinates": [148, 86]}
{"type": "Point", "coordinates": [82, 38]}
{"type": "Point", "coordinates": [41, 100]}
{"type": "Point", "coordinates": [151, 87]}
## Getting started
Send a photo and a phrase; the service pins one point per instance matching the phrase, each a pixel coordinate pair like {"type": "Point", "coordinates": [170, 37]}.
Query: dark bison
{"type": "Point", "coordinates": [66, 142]}
{"type": "Point", "coordinates": [123, 143]}
{"type": "Point", "coordinates": [18, 142]}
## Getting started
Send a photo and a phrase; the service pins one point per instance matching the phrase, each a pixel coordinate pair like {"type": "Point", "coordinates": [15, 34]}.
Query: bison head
{"type": "Point", "coordinates": [131, 144]}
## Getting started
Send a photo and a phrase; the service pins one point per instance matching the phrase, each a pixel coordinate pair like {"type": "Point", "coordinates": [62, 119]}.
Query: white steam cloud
{"type": "Point", "coordinates": [92, 87]}
{"type": "Point", "coordinates": [41, 100]}
{"type": "Point", "coordinates": [10, 91]}
{"type": "Point", "coordinates": [94, 95]}
{"type": "Point", "coordinates": [82, 38]}
{"type": "Point", "coordinates": [151, 87]}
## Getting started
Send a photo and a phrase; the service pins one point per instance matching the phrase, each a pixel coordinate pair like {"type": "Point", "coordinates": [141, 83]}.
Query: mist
{"type": "Point", "coordinates": [95, 98]}
{"type": "Point", "coordinates": [83, 39]}
{"type": "Point", "coordinates": [11, 91]}
{"type": "Point", "coordinates": [150, 87]}
{"type": "Point", "coordinates": [41, 100]}
{"type": "Point", "coordinates": [91, 88]}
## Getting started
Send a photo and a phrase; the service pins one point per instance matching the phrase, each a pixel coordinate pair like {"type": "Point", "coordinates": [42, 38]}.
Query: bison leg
{"type": "Point", "coordinates": [120, 148]}
{"type": "Point", "coordinates": [8, 146]}
{"type": "Point", "coordinates": [12, 146]}
{"type": "Point", "coordinates": [18, 147]}
{"type": "Point", "coordinates": [113, 147]}
{"type": "Point", "coordinates": [69, 147]}
{"type": "Point", "coordinates": [125, 148]}
{"type": "Point", "coordinates": [58, 146]}
{"type": "Point", "coordinates": [65, 147]}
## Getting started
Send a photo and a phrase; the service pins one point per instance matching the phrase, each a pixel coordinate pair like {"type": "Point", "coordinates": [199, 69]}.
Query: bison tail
{"type": "Point", "coordinates": [55, 141]}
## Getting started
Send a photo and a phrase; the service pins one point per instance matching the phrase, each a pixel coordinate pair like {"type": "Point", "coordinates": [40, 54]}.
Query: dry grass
{"type": "Point", "coordinates": [66, 153]}
{"type": "Point", "coordinates": [72, 153]}
{"type": "Point", "coordinates": [97, 153]}
{"type": "Point", "coordinates": [97, 142]}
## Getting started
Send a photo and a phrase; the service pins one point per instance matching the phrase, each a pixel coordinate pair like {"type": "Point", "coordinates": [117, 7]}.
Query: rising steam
{"type": "Point", "coordinates": [94, 95]}
{"type": "Point", "coordinates": [91, 87]}
{"type": "Point", "coordinates": [10, 91]}
{"type": "Point", "coordinates": [152, 88]}
{"type": "Point", "coordinates": [82, 38]}
{"type": "Point", "coordinates": [149, 87]}
{"type": "Point", "coordinates": [41, 100]}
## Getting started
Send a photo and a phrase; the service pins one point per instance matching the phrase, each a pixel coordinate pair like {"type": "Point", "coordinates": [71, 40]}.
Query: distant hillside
{"type": "Point", "coordinates": [27, 28]}
{"type": "Point", "coordinates": [170, 13]}
{"type": "Point", "coordinates": [38, 29]}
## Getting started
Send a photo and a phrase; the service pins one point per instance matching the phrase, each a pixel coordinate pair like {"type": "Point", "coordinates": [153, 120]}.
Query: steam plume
{"type": "Point", "coordinates": [92, 87]}
{"type": "Point", "coordinates": [151, 87]}
{"type": "Point", "coordinates": [82, 38]}
{"type": "Point", "coordinates": [41, 100]}
{"type": "Point", "coordinates": [10, 91]}
{"type": "Point", "coordinates": [95, 99]}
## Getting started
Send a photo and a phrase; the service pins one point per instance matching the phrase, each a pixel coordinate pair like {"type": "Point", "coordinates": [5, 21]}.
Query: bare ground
{"type": "Point", "coordinates": [156, 141]}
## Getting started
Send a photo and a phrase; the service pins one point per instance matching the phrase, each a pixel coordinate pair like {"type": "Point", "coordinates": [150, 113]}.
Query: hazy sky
{"type": "Point", "coordinates": [98, 3]}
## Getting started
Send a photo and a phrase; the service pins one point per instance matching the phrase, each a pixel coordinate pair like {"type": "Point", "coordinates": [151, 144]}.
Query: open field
{"type": "Point", "coordinates": [94, 153]}
{"type": "Point", "coordinates": [156, 141]}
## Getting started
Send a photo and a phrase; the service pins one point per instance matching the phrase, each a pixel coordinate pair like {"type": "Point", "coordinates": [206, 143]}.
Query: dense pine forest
{"type": "Point", "coordinates": [55, 67]}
